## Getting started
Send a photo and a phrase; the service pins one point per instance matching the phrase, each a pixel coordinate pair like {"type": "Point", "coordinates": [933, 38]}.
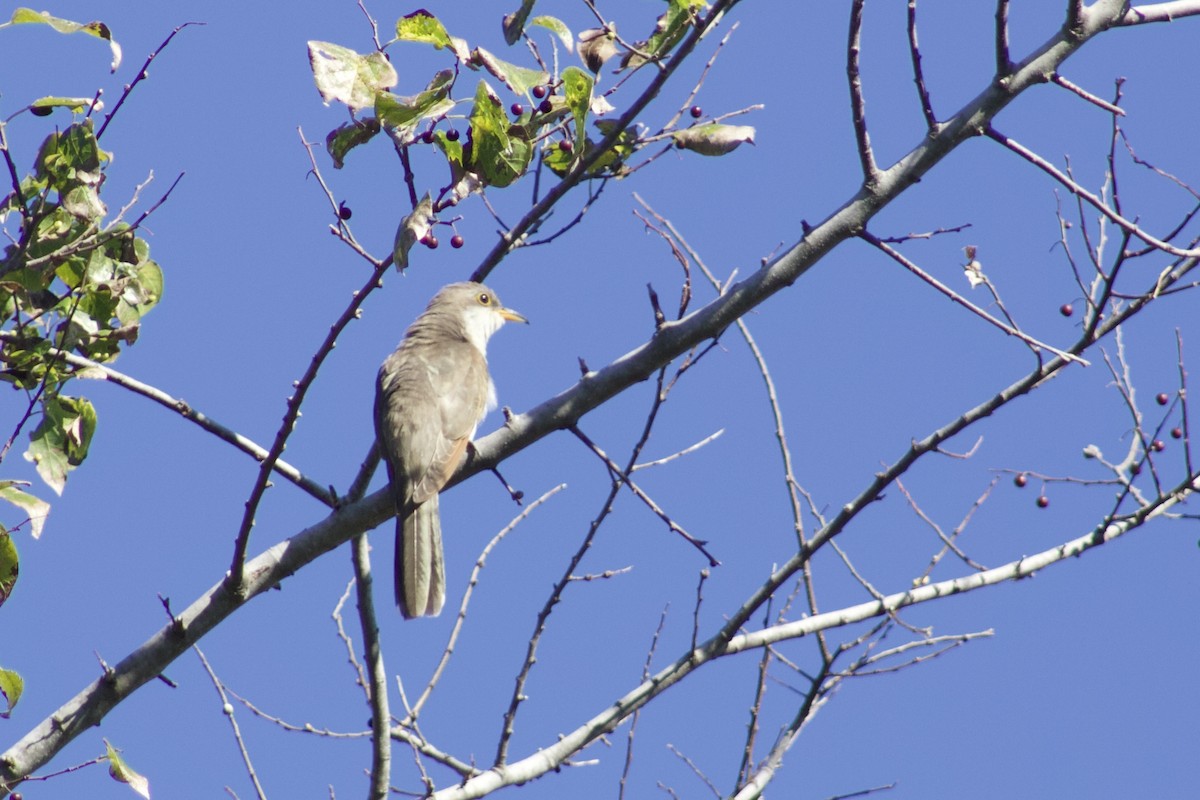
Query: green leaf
{"type": "Point", "coordinates": [348, 77]}
{"type": "Point", "coordinates": [402, 115]}
{"type": "Point", "coordinates": [557, 27]}
{"type": "Point", "coordinates": [421, 26]}
{"type": "Point", "coordinates": [71, 157]}
{"type": "Point", "coordinates": [142, 292]}
{"type": "Point", "coordinates": [121, 771]}
{"type": "Point", "coordinates": [12, 686]}
{"type": "Point", "coordinates": [577, 91]}
{"type": "Point", "coordinates": [83, 201]}
{"type": "Point", "coordinates": [77, 105]}
{"type": "Point", "coordinates": [500, 153]}
{"type": "Point", "coordinates": [519, 79]}
{"type": "Point", "coordinates": [98, 29]}
{"type": "Point", "coordinates": [713, 139]}
{"type": "Point", "coordinates": [514, 23]}
{"type": "Point", "coordinates": [669, 30]}
{"type": "Point", "coordinates": [344, 138]}
{"type": "Point", "coordinates": [9, 563]}
{"type": "Point", "coordinates": [61, 441]}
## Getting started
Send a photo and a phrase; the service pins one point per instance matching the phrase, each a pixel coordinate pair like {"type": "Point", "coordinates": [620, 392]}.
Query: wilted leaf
{"type": "Point", "coordinates": [514, 23]}
{"type": "Point", "coordinates": [597, 45]}
{"type": "Point", "coordinates": [98, 29]}
{"type": "Point", "coordinates": [346, 76]}
{"type": "Point", "coordinates": [714, 139]}
{"type": "Point", "coordinates": [411, 230]}
{"type": "Point", "coordinates": [974, 272]}
{"type": "Point", "coordinates": [12, 685]}
{"type": "Point", "coordinates": [122, 772]}
{"type": "Point", "coordinates": [344, 138]}
{"type": "Point", "coordinates": [36, 508]}
{"type": "Point", "coordinates": [519, 79]}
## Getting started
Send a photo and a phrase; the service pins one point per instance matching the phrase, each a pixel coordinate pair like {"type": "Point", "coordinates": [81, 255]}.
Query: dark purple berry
{"type": "Point", "coordinates": [1066, 309]}
{"type": "Point", "coordinates": [430, 241]}
{"type": "Point", "coordinates": [1136, 469]}
{"type": "Point", "coordinates": [427, 136]}
{"type": "Point", "coordinates": [565, 145]}
{"type": "Point", "coordinates": [697, 112]}
{"type": "Point", "coordinates": [41, 111]}
{"type": "Point", "coordinates": [1021, 480]}
{"type": "Point", "coordinates": [1176, 433]}
{"type": "Point", "coordinates": [344, 211]}
{"type": "Point", "coordinates": [452, 134]}
{"type": "Point", "coordinates": [457, 241]}
{"type": "Point", "coordinates": [517, 109]}
{"type": "Point", "coordinates": [539, 91]}
{"type": "Point", "coordinates": [1043, 501]}
{"type": "Point", "coordinates": [546, 106]}
{"type": "Point", "coordinates": [1162, 399]}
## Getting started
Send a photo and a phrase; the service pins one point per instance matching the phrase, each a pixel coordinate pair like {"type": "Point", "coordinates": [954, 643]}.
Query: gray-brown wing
{"type": "Point", "coordinates": [429, 399]}
{"type": "Point", "coordinates": [460, 384]}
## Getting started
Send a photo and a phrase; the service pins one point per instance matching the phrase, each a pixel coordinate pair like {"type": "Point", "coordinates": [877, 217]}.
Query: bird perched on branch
{"type": "Point", "coordinates": [430, 395]}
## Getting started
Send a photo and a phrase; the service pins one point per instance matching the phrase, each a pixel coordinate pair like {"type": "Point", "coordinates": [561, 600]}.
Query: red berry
{"type": "Point", "coordinates": [430, 241]}
{"type": "Point", "coordinates": [1021, 480]}
{"type": "Point", "coordinates": [1066, 309]}
{"type": "Point", "coordinates": [1162, 399]}
{"type": "Point", "coordinates": [1043, 501]}
{"type": "Point", "coordinates": [456, 241]}
{"type": "Point", "coordinates": [564, 145]}
{"type": "Point", "coordinates": [517, 109]}
{"type": "Point", "coordinates": [697, 112]}
{"type": "Point", "coordinates": [546, 106]}
{"type": "Point", "coordinates": [1158, 445]}
{"type": "Point", "coordinates": [452, 134]}
{"type": "Point", "coordinates": [539, 91]}
{"type": "Point", "coordinates": [1176, 433]}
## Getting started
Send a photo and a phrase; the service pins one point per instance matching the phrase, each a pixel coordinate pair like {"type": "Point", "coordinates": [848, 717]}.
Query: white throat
{"type": "Point", "coordinates": [479, 323]}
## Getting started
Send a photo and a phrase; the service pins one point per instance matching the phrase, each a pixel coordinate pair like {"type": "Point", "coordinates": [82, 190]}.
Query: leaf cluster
{"type": "Point", "coordinates": [74, 280]}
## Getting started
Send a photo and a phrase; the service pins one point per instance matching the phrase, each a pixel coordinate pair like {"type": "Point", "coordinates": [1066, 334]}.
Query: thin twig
{"type": "Point", "coordinates": [1003, 60]}
{"type": "Point", "coordinates": [858, 108]}
{"type": "Point", "coordinates": [94, 369]}
{"type": "Point", "coordinates": [918, 72]}
{"type": "Point", "coordinates": [227, 708]}
{"type": "Point", "coordinates": [415, 711]}
{"type": "Point", "coordinates": [1086, 196]}
{"type": "Point", "coordinates": [964, 302]}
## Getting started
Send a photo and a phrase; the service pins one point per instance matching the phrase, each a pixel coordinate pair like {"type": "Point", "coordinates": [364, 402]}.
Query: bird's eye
{"type": "Point", "coordinates": [485, 299]}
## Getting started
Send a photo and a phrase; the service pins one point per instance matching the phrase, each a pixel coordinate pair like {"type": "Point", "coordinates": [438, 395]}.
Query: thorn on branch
{"type": "Point", "coordinates": [660, 318]}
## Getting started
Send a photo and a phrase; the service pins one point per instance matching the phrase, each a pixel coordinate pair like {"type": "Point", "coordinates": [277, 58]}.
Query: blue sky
{"type": "Point", "coordinates": [1084, 690]}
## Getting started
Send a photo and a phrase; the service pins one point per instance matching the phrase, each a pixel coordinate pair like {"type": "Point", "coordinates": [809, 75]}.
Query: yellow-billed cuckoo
{"type": "Point", "coordinates": [430, 395]}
